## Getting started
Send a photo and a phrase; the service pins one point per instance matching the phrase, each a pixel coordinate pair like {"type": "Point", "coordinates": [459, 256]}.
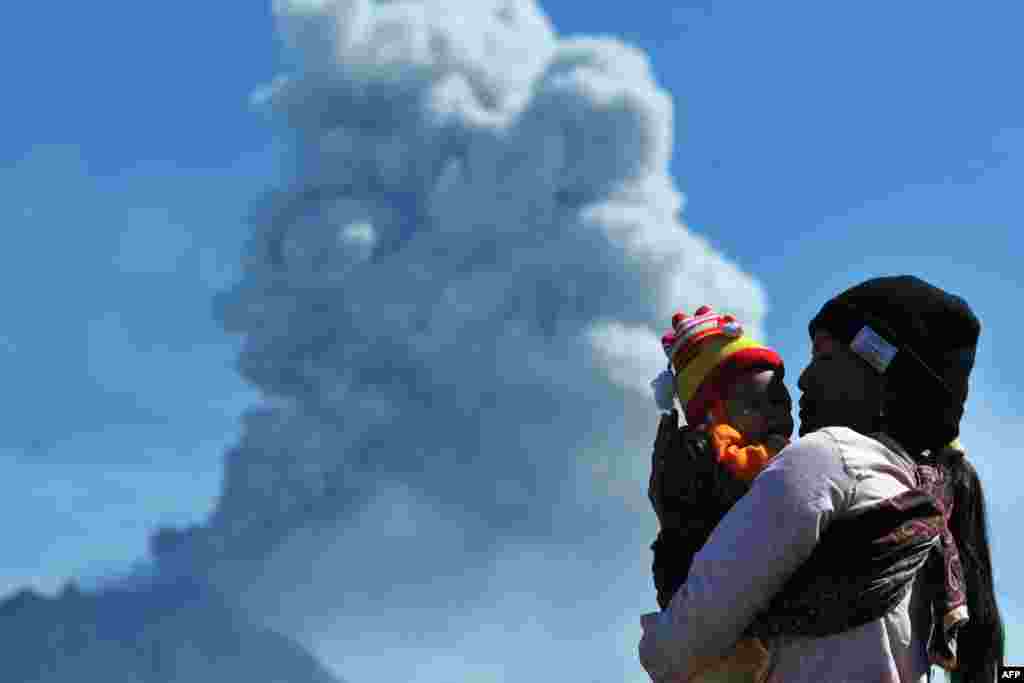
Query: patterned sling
{"type": "Point", "coordinates": [859, 571]}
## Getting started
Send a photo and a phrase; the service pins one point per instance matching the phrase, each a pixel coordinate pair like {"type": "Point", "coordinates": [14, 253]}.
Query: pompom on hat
{"type": "Point", "coordinates": [706, 352]}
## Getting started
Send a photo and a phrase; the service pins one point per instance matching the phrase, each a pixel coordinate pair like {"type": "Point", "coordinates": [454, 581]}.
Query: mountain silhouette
{"type": "Point", "coordinates": [167, 631]}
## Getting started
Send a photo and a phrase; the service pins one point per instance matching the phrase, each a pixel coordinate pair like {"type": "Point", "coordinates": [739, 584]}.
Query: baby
{"type": "Point", "coordinates": [731, 387]}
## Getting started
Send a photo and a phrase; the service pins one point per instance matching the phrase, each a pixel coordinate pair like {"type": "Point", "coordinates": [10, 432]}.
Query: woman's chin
{"type": "Point", "coordinates": [808, 424]}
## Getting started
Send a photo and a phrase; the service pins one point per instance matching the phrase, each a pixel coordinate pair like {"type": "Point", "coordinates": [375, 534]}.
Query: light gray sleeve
{"type": "Point", "coordinates": [761, 541]}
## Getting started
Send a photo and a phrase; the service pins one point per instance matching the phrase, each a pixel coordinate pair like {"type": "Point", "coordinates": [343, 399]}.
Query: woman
{"type": "Point", "coordinates": [881, 398]}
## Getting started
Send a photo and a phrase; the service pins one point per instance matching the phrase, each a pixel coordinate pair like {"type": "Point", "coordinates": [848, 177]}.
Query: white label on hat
{"type": "Point", "coordinates": [872, 348]}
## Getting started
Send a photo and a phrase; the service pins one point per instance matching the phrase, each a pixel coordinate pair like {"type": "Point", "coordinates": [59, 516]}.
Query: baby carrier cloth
{"type": "Point", "coordinates": [861, 569]}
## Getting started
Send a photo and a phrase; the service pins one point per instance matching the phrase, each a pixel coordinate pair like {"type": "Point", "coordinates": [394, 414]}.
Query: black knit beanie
{"type": "Point", "coordinates": [923, 339]}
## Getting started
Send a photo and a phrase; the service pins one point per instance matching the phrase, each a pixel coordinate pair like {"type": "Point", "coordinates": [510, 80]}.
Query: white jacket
{"type": "Point", "coordinates": [761, 542]}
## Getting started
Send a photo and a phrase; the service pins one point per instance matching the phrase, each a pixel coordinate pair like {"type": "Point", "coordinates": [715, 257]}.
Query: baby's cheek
{"type": "Point", "coordinates": [750, 423]}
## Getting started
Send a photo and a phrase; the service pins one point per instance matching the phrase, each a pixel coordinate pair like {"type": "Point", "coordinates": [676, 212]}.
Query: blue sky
{"type": "Point", "coordinates": [816, 146]}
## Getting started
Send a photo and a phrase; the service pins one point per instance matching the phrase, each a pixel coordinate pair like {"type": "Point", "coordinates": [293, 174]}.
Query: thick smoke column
{"type": "Point", "coordinates": [450, 305]}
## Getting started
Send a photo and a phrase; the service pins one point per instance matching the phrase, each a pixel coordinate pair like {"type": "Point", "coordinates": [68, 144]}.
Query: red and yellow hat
{"type": "Point", "coordinates": [707, 351]}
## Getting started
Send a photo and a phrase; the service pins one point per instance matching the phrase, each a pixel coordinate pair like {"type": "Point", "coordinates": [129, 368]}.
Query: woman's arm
{"type": "Point", "coordinates": [690, 493]}
{"type": "Point", "coordinates": [758, 544]}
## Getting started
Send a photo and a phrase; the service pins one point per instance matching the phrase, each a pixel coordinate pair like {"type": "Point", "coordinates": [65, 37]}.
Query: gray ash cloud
{"type": "Point", "coordinates": [451, 306]}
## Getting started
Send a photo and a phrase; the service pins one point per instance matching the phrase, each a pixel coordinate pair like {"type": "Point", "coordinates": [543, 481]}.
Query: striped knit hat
{"type": "Point", "coordinates": [706, 351]}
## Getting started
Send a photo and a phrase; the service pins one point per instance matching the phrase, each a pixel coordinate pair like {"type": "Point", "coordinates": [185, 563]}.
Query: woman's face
{"type": "Point", "coordinates": [838, 388]}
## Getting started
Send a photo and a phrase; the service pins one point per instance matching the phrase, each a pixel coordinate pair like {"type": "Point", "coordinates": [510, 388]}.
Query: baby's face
{"type": "Point", "coordinates": [759, 404]}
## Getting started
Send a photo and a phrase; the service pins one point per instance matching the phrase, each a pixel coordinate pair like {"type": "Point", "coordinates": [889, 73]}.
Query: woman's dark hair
{"type": "Point", "coordinates": [981, 641]}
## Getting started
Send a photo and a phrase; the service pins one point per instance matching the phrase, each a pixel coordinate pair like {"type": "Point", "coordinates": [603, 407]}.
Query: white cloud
{"type": "Point", "coordinates": [90, 509]}
{"type": "Point", "coordinates": [630, 355]}
{"type": "Point", "coordinates": [151, 241]}
{"type": "Point", "coordinates": [457, 291]}
{"type": "Point", "coordinates": [574, 605]}
{"type": "Point", "coordinates": [451, 306]}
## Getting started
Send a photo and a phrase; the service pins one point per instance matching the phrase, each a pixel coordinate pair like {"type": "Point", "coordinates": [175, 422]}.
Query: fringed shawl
{"type": "Point", "coordinates": [861, 569]}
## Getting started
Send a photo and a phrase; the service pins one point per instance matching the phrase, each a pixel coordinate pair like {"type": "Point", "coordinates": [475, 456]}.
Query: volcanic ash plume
{"type": "Point", "coordinates": [451, 303]}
